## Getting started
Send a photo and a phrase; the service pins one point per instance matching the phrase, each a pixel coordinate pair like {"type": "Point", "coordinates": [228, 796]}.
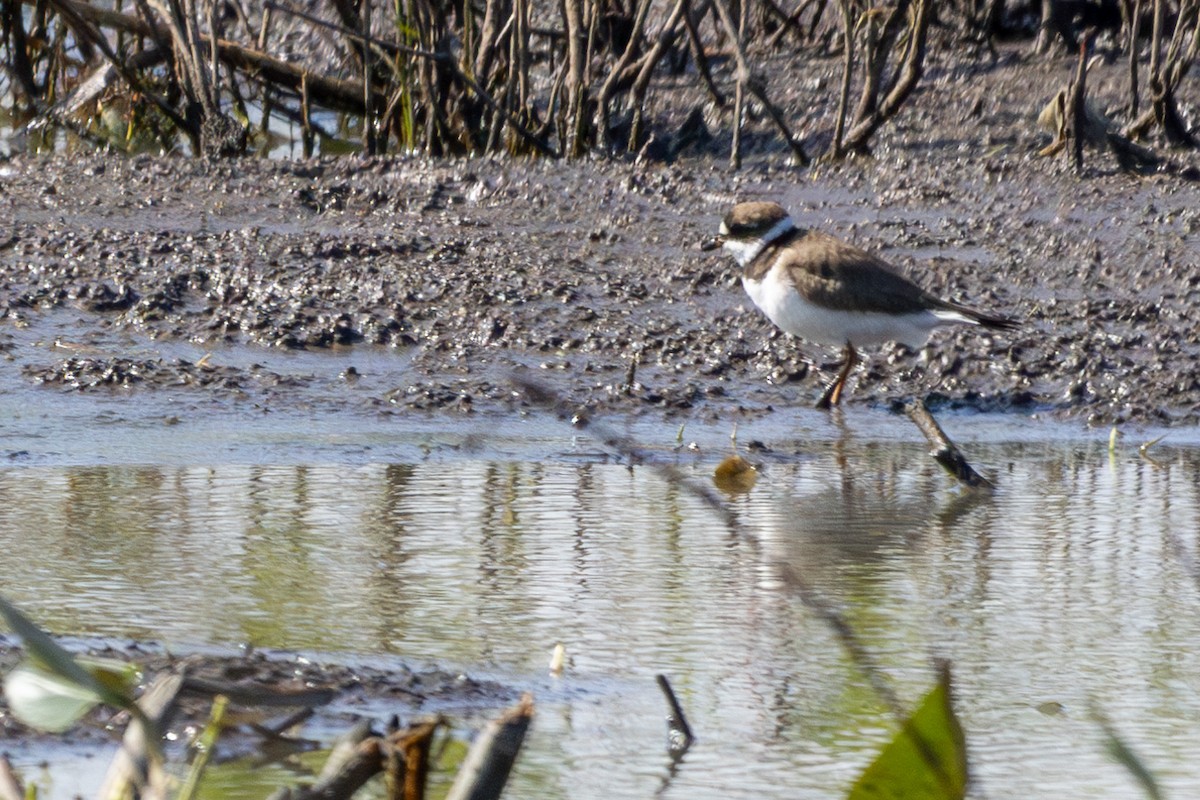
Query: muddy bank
{"type": "Point", "coordinates": [260, 683]}
{"type": "Point", "coordinates": [468, 270]}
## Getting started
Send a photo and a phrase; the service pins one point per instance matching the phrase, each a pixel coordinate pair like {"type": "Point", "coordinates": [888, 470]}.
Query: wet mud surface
{"type": "Point", "coordinates": [584, 275]}
{"type": "Point", "coordinates": [260, 684]}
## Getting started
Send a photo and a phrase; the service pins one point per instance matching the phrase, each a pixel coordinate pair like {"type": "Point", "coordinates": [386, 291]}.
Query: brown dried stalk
{"type": "Point", "coordinates": [872, 113]}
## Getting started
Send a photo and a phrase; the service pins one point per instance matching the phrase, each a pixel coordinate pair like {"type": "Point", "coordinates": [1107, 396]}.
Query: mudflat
{"type": "Point", "coordinates": [586, 274]}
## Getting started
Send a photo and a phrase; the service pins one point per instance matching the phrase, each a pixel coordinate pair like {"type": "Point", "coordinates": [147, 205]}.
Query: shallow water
{"type": "Point", "coordinates": [479, 547]}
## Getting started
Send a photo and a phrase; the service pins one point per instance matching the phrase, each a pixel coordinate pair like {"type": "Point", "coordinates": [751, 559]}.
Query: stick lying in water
{"type": "Point", "coordinates": [945, 452]}
{"type": "Point", "coordinates": [10, 786]}
{"type": "Point", "coordinates": [679, 733]}
{"type": "Point", "coordinates": [485, 770]}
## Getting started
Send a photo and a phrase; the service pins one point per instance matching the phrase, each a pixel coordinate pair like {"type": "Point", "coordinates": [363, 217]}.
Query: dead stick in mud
{"type": "Point", "coordinates": [343, 750]}
{"type": "Point", "coordinates": [945, 452]}
{"type": "Point", "coordinates": [679, 733]}
{"type": "Point", "coordinates": [756, 85]}
{"type": "Point", "coordinates": [485, 770]}
{"type": "Point", "coordinates": [1077, 110]}
{"type": "Point", "coordinates": [365, 762]}
{"type": "Point", "coordinates": [10, 787]}
{"type": "Point", "coordinates": [131, 768]}
{"type": "Point", "coordinates": [1135, 29]}
{"type": "Point", "coordinates": [630, 376]}
{"type": "Point", "coordinates": [698, 55]}
{"type": "Point", "coordinates": [276, 731]}
{"type": "Point", "coordinates": [357, 757]}
{"type": "Point", "coordinates": [413, 751]}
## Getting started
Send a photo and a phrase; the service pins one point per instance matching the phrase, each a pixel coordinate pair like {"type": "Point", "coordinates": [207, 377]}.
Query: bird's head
{"type": "Point", "coordinates": [748, 228]}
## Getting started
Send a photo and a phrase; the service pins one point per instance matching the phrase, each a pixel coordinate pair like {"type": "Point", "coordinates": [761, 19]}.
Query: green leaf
{"type": "Point", "coordinates": [927, 759]}
{"type": "Point", "coordinates": [1123, 754]}
{"type": "Point", "coordinates": [44, 700]}
{"type": "Point", "coordinates": [49, 658]}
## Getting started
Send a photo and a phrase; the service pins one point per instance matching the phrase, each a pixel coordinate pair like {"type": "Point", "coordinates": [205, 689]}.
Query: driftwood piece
{"type": "Point", "coordinates": [679, 733]}
{"type": "Point", "coordinates": [366, 761]}
{"type": "Point", "coordinates": [354, 760]}
{"type": "Point", "coordinates": [10, 786]}
{"type": "Point", "coordinates": [358, 756]}
{"type": "Point", "coordinates": [485, 770]}
{"type": "Point", "coordinates": [132, 768]}
{"type": "Point", "coordinates": [296, 78]}
{"type": "Point", "coordinates": [344, 750]}
{"type": "Point", "coordinates": [410, 755]}
{"type": "Point", "coordinates": [84, 26]}
{"type": "Point", "coordinates": [945, 452]}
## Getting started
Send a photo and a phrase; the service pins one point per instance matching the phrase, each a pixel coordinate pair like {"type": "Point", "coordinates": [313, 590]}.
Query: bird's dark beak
{"type": "Point", "coordinates": [712, 243]}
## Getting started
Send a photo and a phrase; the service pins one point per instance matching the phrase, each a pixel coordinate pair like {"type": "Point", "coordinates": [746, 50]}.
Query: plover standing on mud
{"type": "Point", "coordinates": [828, 292]}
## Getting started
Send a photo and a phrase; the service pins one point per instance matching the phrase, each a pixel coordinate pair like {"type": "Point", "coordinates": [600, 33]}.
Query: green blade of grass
{"type": "Point", "coordinates": [204, 748]}
{"type": "Point", "coordinates": [1123, 754]}
{"type": "Point", "coordinates": [926, 759]}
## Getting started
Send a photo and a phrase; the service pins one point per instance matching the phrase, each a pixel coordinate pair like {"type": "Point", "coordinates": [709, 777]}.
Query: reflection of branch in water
{"type": "Point", "coordinates": [1184, 557]}
{"type": "Point", "coordinates": [623, 446]}
{"type": "Point", "coordinates": [547, 398]}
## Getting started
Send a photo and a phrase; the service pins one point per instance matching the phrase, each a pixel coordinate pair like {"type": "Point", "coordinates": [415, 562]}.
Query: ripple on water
{"type": "Point", "coordinates": [1065, 591]}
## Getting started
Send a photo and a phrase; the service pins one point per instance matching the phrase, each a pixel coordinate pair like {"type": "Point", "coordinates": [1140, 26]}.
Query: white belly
{"type": "Point", "coordinates": [791, 312]}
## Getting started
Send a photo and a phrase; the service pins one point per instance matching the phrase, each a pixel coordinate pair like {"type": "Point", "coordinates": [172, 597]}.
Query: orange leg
{"type": "Point", "coordinates": [833, 392]}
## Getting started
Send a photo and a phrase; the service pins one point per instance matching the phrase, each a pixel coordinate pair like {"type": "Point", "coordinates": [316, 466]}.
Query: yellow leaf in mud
{"type": "Point", "coordinates": [735, 474]}
{"type": "Point", "coordinates": [927, 759]}
{"type": "Point", "coordinates": [118, 676]}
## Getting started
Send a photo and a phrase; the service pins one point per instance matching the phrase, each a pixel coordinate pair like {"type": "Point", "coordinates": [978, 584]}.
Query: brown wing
{"type": "Point", "coordinates": [837, 275]}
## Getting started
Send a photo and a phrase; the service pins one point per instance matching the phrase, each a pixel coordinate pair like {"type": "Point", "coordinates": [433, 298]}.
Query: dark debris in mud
{"type": "Point", "coordinates": [88, 373]}
{"type": "Point", "coordinates": [339, 694]}
{"type": "Point", "coordinates": [469, 269]}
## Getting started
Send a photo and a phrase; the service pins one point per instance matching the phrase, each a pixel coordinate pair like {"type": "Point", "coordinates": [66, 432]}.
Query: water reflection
{"type": "Point", "coordinates": [1069, 587]}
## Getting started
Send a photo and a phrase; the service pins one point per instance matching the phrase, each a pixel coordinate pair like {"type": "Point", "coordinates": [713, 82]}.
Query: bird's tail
{"type": "Point", "coordinates": [952, 312]}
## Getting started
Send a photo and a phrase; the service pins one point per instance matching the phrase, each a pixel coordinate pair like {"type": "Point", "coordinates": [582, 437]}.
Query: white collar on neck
{"type": "Point", "coordinates": [746, 251]}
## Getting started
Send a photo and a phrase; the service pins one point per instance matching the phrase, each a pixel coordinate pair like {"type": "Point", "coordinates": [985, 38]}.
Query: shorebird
{"type": "Point", "coordinates": [826, 291]}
